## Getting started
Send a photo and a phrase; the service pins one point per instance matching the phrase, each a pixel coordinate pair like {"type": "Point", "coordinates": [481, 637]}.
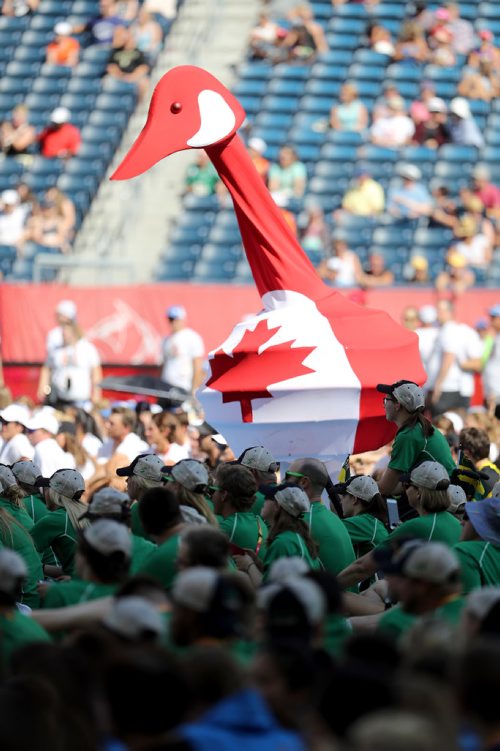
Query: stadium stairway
{"type": "Point", "coordinates": [129, 221]}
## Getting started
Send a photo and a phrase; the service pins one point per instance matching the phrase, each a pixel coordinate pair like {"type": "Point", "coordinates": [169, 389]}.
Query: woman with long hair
{"type": "Point", "coordinates": [68, 441]}
{"type": "Point", "coordinates": [160, 435]}
{"type": "Point", "coordinates": [288, 532]}
{"type": "Point", "coordinates": [365, 513]}
{"type": "Point", "coordinates": [14, 536]}
{"type": "Point", "coordinates": [58, 529]}
{"type": "Point", "coordinates": [189, 480]}
{"type": "Point", "coordinates": [12, 496]}
{"type": "Point", "coordinates": [26, 474]}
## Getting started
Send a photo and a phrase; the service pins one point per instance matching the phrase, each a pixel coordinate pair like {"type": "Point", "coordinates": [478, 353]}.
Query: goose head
{"type": "Point", "coordinates": [190, 109]}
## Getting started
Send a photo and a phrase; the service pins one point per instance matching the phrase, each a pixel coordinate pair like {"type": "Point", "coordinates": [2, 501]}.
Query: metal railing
{"type": "Point", "coordinates": [47, 262]}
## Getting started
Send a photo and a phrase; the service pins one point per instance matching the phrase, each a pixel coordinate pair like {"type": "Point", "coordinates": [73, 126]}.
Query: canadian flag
{"type": "Point", "coordinates": [300, 377]}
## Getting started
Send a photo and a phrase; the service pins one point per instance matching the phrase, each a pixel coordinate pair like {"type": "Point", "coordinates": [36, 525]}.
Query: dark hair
{"type": "Point", "coordinates": [240, 485]}
{"type": "Point", "coordinates": [207, 546]}
{"type": "Point", "coordinates": [417, 417]}
{"type": "Point", "coordinates": [159, 510]}
{"type": "Point", "coordinates": [377, 507]}
{"type": "Point", "coordinates": [284, 522]}
{"type": "Point", "coordinates": [109, 569]}
{"type": "Point", "coordinates": [141, 585]}
{"type": "Point", "coordinates": [330, 588]}
{"type": "Point", "coordinates": [476, 441]}
{"type": "Point", "coordinates": [479, 681]}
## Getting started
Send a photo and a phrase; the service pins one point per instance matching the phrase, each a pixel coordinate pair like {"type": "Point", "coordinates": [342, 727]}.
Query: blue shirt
{"type": "Point", "coordinates": [465, 133]}
{"type": "Point", "coordinates": [415, 192]}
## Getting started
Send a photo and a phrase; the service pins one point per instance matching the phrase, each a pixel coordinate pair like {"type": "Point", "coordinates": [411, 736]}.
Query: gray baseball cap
{"type": "Point", "coordinates": [148, 466]}
{"type": "Point", "coordinates": [429, 475]}
{"type": "Point", "coordinates": [26, 471]}
{"type": "Point", "coordinates": [67, 482]}
{"type": "Point", "coordinates": [407, 393]}
{"type": "Point", "coordinates": [190, 473]}
{"type": "Point", "coordinates": [293, 500]}
{"type": "Point", "coordinates": [7, 477]}
{"type": "Point", "coordinates": [12, 570]}
{"type": "Point", "coordinates": [108, 537]}
{"type": "Point", "coordinates": [363, 487]}
{"type": "Point", "coordinates": [134, 618]}
{"type": "Point", "coordinates": [108, 502]}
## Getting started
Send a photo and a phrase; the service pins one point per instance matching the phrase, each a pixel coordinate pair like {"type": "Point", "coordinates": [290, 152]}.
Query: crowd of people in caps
{"type": "Point", "coordinates": [158, 592]}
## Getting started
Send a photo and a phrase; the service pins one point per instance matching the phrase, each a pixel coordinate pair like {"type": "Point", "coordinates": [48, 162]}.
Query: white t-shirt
{"type": "Point", "coordinates": [178, 351]}
{"type": "Point", "coordinates": [131, 446]}
{"type": "Point", "coordinates": [427, 344]}
{"type": "Point", "coordinates": [393, 131]}
{"type": "Point", "coordinates": [491, 374]}
{"type": "Point", "coordinates": [91, 443]}
{"type": "Point", "coordinates": [54, 340]}
{"type": "Point", "coordinates": [174, 454]}
{"type": "Point", "coordinates": [465, 343]}
{"type": "Point", "coordinates": [71, 368]}
{"type": "Point", "coordinates": [11, 226]}
{"type": "Point", "coordinates": [476, 251]}
{"type": "Point", "coordinates": [15, 449]}
{"type": "Point", "coordinates": [50, 457]}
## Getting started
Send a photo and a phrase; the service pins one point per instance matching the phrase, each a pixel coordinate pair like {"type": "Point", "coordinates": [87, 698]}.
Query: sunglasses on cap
{"type": "Point", "coordinates": [212, 490]}
{"type": "Point", "coordinates": [297, 475]}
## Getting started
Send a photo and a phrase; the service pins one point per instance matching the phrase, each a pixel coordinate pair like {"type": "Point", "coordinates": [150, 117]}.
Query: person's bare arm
{"type": "Point", "coordinates": [73, 616]}
{"type": "Point", "coordinates": [388, 484]}
{"type": "Point", "coordinates": [139, 72]}
{"type": "Point", "coordinates": [96, 378]}
{"type": "Point", "coordinates": [367, 603]}
{"type": "Point", "coordinates": [365, 622]}
{"type": "Point", "coordinates": [358, 571]}
{"type": "Point", "coordinates": [197, 373]}
{"type": "Point", "coordinates": [43, 383]}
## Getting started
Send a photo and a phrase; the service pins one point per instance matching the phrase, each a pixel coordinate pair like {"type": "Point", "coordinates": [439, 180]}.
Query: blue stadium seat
{"type": "Point", "coordinates": [84, 86]}
{"type": "Point", "coordinates": [329, 71]}
{"type": "Point", "coordinates": [32, 54]}
{"type": "Point", "coordinates": [284, 71]}
{"type": "Point", "coordinates": [400, 72]}
{"type": "Point", "coordinates": [433, 237]}
{"type": "Point", "coordinates": [43, 22]}
{"type": "Point", "coordinates": [346, 137]}
{"type": "Point", "coordinates": [49, 85]}
{"type": "Point", "coordinates": [42, 166]}
{"type": "Point", "coordinates": [394, 236]}
{"type": "Point", "coordinates": [285, 87]}
{"type": "Point", "coordinates": [338, 41]}
{"type": "Point", "coordinates": [418, 154]}
{"type": "Point", "coordinates": [317, 104]}
{"type": "Point", "coordinates": [491, 154]}
{"type": "Point", "coordinates": [39, 183]}
{"type": "Point", "coordinates": [272, 136]}
{"type": "Point", "coordinates": [341, 25]}
{"type": "Point", "coordinates": [366, 72]}
{"type": "Point", "coordinates": [222, 252]}
{"type": "Point", "coordinates": [78, 102]}
{"type": "Point", "coordinates": [250, 87]}
{"type": "Point", "coordinates": [333, 171]}
{"type": "Point", "coordinates": [169, 271]}
{"type": "Point", "coordinates": [390, 10]}
{"type": "Point", "coordinates": [108, 119]}
{"type": "Point", "coordinates": [89, 70]}
{"type": "Point", "coordinates": [251, 104]}
{"type": "Point", "coordinates": [228, 235]}
{"type": "Point", "coordinates": [339, 152]}
{"type": "Point", "coordinates": [22, 270]}
{"type": "Point", "coordinates": [280, 120]}
{"type": "Point", "coordinates": [321, 87]}
{"type": "Point", "coordinates": [350, 10]}
{"type": "Point", "coordinates": [85, 8]}
{"type": "Point", "coordinates": [243, 273]}
{"type": "Point", "coordinates": [255, 70]}
{"type": "Point", "coordinates": [303, 135]}
{"type": "Point", "coordinates": [441, 73]}
{"type": "Point", "coordinates": [370, 57]}
{"type": "Point", "coordinates": [452, 152]}
{"type": "Point", "coordinates": [14, 23]}
{"type": "Point", "coordinates": [41, 102]}
{"type": "Point", "coordinates": [18, 87]}
{"type": "Point", "coordinates": [98, 134]}
{"type": "Point", "coordinates": [22, 69]}
{"type": "Point", "coordinates": [371, 153]}
{"type": "Point", "coordinates": [55, 71]}
{"type": "Point", "coordinates": [214, 271]}
{"type": "Point", "coordinates": [55, 7]}
{"type": "Point", "coordinates": [275, 103]}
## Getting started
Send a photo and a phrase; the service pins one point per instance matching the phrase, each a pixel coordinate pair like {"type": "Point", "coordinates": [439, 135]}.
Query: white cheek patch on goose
{"type": "Point", "coordinates": [217, 119]}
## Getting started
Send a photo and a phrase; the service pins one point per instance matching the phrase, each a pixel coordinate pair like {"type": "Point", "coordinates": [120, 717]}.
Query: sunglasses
{"type": "Point", "coordinates": [212, 489]}
{"type": "Point", "coordinates": [294, 474]}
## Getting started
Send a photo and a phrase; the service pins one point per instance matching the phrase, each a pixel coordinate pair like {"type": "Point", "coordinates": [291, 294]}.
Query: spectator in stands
{"type": "Point", "coordinates": [344, 268]}
{"type": "Point", "coordinates": [444, 210]}
{"type": "Point", "coordinates": [351, 114]}
{"type": "Point", "coordinates": [266, 39]}
{"type": "Point", "coordinates": [417, 271]}
{"type": "Point", "coordinates": [201, 176]}
{"type": "Point", "coordinates": [462, 127]}
{"type": "Point", "coordinates": [47, 228]}
{"type": "Point", "coordinates": [12, 218]}
{"type": "Point", "coordinates": [419, 111]}
{"type": "Point", "coordinates": [289, 176]}
{"type": "Point", "coordinates": [165, 8]}
{"type": "Point", "coordinates": [314, 234]}
{"type": "Point", "coordinates": [381, 107]}
{"type": "Point", "coordinates": [16, 134]}
{"type": "Point", "coordinates": [479, 83]}
{"type": "Point", "coordinates": [306, 38]}
{"type": "Point", "coordinates": [122, 444]}
{"type": "Point", "coordinates": [411, 199]}
{"type": "Point", "coordinates": [474, 246]}
{"type": "Point", "coordinates": [474, 207]}
{"type": "Point", "coordinates": [427, 332]}
{"type": "Point", "coordinates": [411, 47]}
{"type": "Point", "coordinates": [394, 130]}
{"type": "Point", "coordinates": [127, 63]}
{"type": "Point", "coordinates": [28, 200]}
{"type": "Point", "coordinates": [257, 148]}
{"type": "Point", "coordinates": [433, 132]}
{"type": "Point", "coordinates": [486, 50]}
{"type": "Point", "coordinates": [64, 50]}
{"type": "Point", "coordinates": [60, 139]}
{"type": "Point", "coordinates": [102, 27]}
{"type": "Point", "coordinates": [127, 10]}
{"type": "Point", "coordinates": [456, 276]}
{"type": "Point", "coordinates": [442, 52]}
{"type": "Point", "coordinates": [365, 196]}
{"type": "Point", "coordinates": [409, 318]}
{"type": "Point", "coordinates": [484, 189]}
{"type": "Point", "coordinates": [147, 34]}
{"type": "Point", "coordinates": [19, 7]}
{"type": "Point", "coordinates": [376, 274]}
{"type": "Point", "coordinates": [380, 39]}
{"type": "Point", "coordinates": [463, 31]}
{"type": "Point", "coordinates": [65, 209]}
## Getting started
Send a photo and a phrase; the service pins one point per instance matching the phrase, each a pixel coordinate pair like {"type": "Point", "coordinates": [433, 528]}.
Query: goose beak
{"type": "Point", "coordinates": [149, 148]}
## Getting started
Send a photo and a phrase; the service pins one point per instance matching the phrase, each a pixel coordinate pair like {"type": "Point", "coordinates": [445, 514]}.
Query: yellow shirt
{"type": "Point", "coordinates": [366, 199]}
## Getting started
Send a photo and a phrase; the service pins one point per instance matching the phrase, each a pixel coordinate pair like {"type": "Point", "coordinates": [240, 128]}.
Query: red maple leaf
{"type": "Point", "coordinates": [245, 374]}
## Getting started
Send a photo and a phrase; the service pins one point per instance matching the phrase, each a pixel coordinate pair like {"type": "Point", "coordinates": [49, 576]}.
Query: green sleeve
{"type": "Point", "coordinates": [278, 549]}
{"type": "Point", "coordinates": [406, 529]}
{"type": "Point", "coordinates": [43, 533]}
{"type": "Point", "coordinates": [357, 531]}
{"type": "Point", "coordinates": [405, 450]}
{"type": "Point", "coordinates": [470, 574]}
{"type": "Point", "coordinates": [54, 598]}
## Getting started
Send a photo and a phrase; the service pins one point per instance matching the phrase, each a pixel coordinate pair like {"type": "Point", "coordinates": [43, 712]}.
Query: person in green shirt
{"type": "Point", "coordinates": [188, 479]}
{"type": "Point", "coordinates": [233, 501]}
{"type": "Point", "coordinates": [365, 513]}
{"type": "Point", "coordinates": [27, 473]}
{"type": "Point", "coordinates": [102, 563]}
{"type": "Point", "coordinates": [16, 629]}
{"type": "Point", "coordinates": [429, 586]}
{"type": "Point", "coordinates": [264, 467]}
{"type": "Point", "coordinates": [58, 529]}
{"type": "Point", "coordinates": [109, 503]}
{"type": "Point", "coordinates": [162, 521]}
{"type": "Point", "coordinates": [14, 536]}
{"type": "Point", "coordinates": [11, 497]}
{"type": "Point", "coordinates": [426, 489]}
{"type": "Point", "coordinates": [479, 548]}
{"type": "Point", "coordinates": [326, 529]}
{"type": "Point", "coordinates": [416, 441]}
{"type": "Point", "coordinates": [143, 473]}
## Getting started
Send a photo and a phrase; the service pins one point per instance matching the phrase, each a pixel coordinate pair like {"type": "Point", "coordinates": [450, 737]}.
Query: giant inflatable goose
{"type": "Point", "coordinates": [300, 376]}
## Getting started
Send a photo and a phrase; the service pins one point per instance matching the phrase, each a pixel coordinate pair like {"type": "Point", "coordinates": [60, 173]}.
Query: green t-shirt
{"type": "Point", "coordinates": [56, 531]}
{"type": "Point", "coordinates": [260, 499]}
{"type": "Point", "coordinates": [246, 530]}
{"type": "Point", "coordinates": [411, 448]}
{"type": "Point", "coordinates": [161, 563]}
{"type": "Point", "coordinates": [329, 533]}
{"type": "Point", "coordinates": [287, 545]}
{"type": "Point", "coordinates": [18, 539]}
{"type": "Point", "coordinates": [16, 631]}
{"type": "Point", "coordinates": [336, 630]}
{"type": "Point", "coordinates": [480, 564]}
{"type": "Point", "coordinates": [366, 532]}
{"type": "Point", "coordinates": [76, 591]}
{"type": "Point", "coordinates": [18, 513]}
{"type": "Point", "coordinates": [450, 611]}
{"type": "Point", "coordinates": [141, 550]}
{"type": "Point", "coordinates": [438, 527]}
{"type": "Point", "coordinates": [395, 622]}
{"type": "Point", "coordinates": [35, 507]}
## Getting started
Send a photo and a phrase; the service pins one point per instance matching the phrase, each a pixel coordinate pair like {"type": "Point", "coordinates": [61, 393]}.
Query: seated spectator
{"type": "Point", "coordinates": [474, 207]}
{"type": "Point", "coordinates": [47, 228]}
{"type": "Point", "coordinates": [65, 208]}
{"type": "Point", "coordinates": [127, 63]}
{"type": "Point", "coordinates": [266, 39]}
{"type": "Point", "coordinates": [201, 176]}
{"type": "Point", "coordinates": [147, 34]}
{"type": "Point", "coordinates": [442, 52]}
{"type": "Point", "coordinates": [351, 114]}
{"type": "Point", "coordinates": [306, 38]}
{"type": "Point", "coordinates": [416, 271]}
{"type": "Point", "coordinates": [456, 277]}
{"type": "Point", "coordinates": [411, 199]}
{"type": "Point", "coordinates": [380, 39]}
{"type": "Point", "coordinates": [165, 8]}
{"type": "Point", "coordinates": [462, 127]}
{"type": "Point", "coordinates": [19, 7]}
{"type": "Point", "coordinates": [471, 244]}
{"type": "Point", "coordinates": [103, 26]}
{"type": "Point", "coordinates": [12, 218]}
{"type": "Point", "coordinates": [127, 10]}
{"type": "Point", "coordinates": [16, 134]}
{"type": "Point", "coordinates": [419, 111]}
{"type": "Point", "coordinates": [60, 139]}
{"type": "Point", "coordinates": [289, 176]}
{"type": "Point", "coordinates": [257, 148]}
{"type": "Point", "coordinates": [485, 190]}
{"type": "Point", "coordinates": [433, 132]}
{"type": "Point", "coordinates": [479, 83]}
{"type": "Point", "coordinates": [396, 129]}
{"type": "Point", "coordinates": [411, 47]}
{"type": "Point", "coordinates": [381, 108]}
{"type": "Point", "coordinates": [376, 274]}
{"type": "Point", "coordinates": [314, 234]}
{"type": "Point", "coordinates": [343, 268]}
{"type": "Point", "coordinates": [486, 50]}
{"type": "Point", "coordinates": [365, 197]}
{"type": "Point", "coordinates": [28, 200]}
{"type": "Point", "coordinates": [444, 210]}
{"type": "Point", "coordinates": [462, 30]}
{"type": "Point", "coordinates": [64, 50]}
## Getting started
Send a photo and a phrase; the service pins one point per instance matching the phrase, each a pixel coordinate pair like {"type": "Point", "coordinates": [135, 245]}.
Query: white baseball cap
{"type": "Point", "coordinates": [429, 475]}
{"type": "Point", "coordinates": [43, 420]}
{"type": "Point", "coordinates": [108, 537]}
{"type": "Point", "coordinates": [67, 308]}
{"type": "Point", "coordinates": [409, 172]}
{"type": "Point", "coordinates": [363, 487]}
{"type": "Point", "coordinates": [260, 458]}
{"type": "Point", "coordinates": [432, 562]}
{"type": "Point", "coordinates": [148, 466]}
{"type": "Point", "coordinates": [12, 570]}
{"type": "Point", "coordinates": [428, 314]}
{"type": "Point", "coordinates": [190, 473]}
{"type": "Point", "coordinates": [257, 144]}
{"type": "Point", "coordinates": [10, 197]}
{"type": "Point", "coordinates": [63, 28]}
{"type": "Point", "coordinates": [15, 413]}
{"type": "Point", "coordinates": [460, 107]}
{"type": "Point", "coordinates": [134, 618]}
{"type": "Point", "coordinates": [60, 115]}
{"type": "Point", "coordinates": [293, 500]}
{"type": "Point", "coordinates": [68, 482]}
{"type": "Point", "coordinates": [457, 497]}
{"type": "Point", "coordinates": [305, 591]}
{"type": "Point", "coordinates": [287, 568]}
{"type": "Point", "coordinates": [176, 312]}
{"type": "Point", "coordinates": [26, 471]}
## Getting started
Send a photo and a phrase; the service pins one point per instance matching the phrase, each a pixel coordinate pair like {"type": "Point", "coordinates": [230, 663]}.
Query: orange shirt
{"type": "Point", "coordinates": [63, 50]}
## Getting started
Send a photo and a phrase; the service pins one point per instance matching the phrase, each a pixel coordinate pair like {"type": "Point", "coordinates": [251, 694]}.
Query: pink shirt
{"type": "Point", "coordinates": [490, 196]}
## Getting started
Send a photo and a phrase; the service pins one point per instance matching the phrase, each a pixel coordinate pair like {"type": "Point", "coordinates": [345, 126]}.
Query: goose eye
{"type": "Point", "coordinates": [175, 108]}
